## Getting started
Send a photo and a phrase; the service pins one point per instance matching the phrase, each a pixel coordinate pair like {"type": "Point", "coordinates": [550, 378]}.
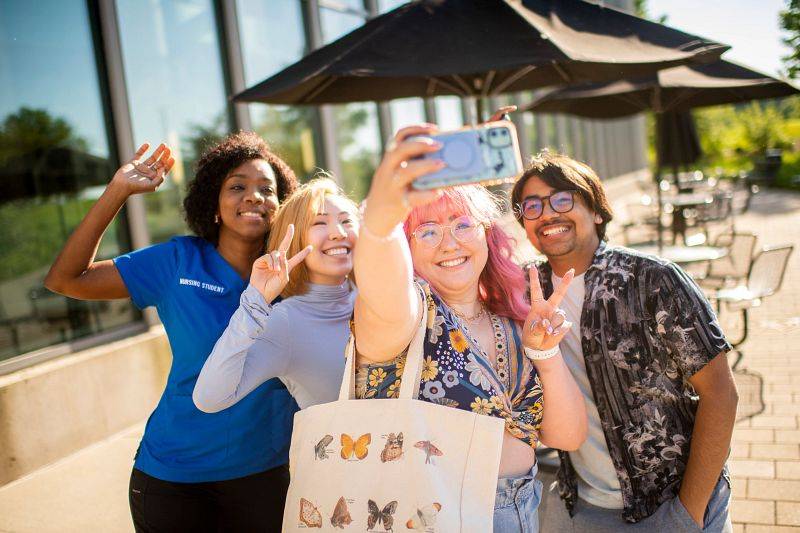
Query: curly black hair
{"type": "Point", "coordinates": [202, 197]}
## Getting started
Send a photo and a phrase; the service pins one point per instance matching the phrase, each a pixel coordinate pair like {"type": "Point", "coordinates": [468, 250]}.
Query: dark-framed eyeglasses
{"type": "Point", "coordinates": [532, 207]}
{"type": "Point", "coordinates": [463, 229]}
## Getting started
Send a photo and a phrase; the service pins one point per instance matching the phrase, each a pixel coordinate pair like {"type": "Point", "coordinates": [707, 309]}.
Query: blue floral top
{"type": "Point", "coordinates": [457, 373]}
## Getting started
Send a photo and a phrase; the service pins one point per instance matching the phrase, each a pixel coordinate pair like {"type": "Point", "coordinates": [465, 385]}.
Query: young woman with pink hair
{"type": "Point", "coordinates": [486, 349]}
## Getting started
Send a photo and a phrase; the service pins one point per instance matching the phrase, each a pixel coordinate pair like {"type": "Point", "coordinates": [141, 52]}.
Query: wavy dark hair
{"type": "Point", "coordinates": [563, 174]}
{"type": "Point", "coordinates": [202, 197]}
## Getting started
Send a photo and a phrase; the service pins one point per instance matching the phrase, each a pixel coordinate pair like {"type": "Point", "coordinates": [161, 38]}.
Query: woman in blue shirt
{"type": "Point", "coordinates": [196, 471]}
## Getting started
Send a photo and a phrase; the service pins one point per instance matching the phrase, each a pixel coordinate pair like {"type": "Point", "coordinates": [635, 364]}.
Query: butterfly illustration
{"type": "Point", "coordinates": [429, 449]}
{"type": "Point", "coordinates": [394, 447]}
{"type": "Point", "coordinates": [384, 516]}
{"type": "Point", "coordinates": [357, 447]}
{"type": "Point", "coordinates": [425, 517]}
{"type": "Point", "coordinates": [309, 514]}
{"type": "Point", "coordinates": [341, 516]}
{"type": "Point", "coordinates": [320, 450]}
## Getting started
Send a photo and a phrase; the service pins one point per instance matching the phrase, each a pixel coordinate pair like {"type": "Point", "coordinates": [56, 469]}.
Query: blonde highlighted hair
{"type": "Point", "coordinates": [300, 209]}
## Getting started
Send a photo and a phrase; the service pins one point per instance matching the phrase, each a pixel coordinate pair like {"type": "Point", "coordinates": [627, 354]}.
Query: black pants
{"type": "Point", "coordinates": [253, 503]}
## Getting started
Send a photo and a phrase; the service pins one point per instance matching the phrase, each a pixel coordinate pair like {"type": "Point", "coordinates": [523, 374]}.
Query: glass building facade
{"type": "Point", "coordinates": [83, 82]}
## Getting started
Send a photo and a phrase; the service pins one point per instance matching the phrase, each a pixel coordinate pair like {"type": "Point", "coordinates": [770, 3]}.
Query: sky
{"type": "Point", "coordinates": [750, 27]}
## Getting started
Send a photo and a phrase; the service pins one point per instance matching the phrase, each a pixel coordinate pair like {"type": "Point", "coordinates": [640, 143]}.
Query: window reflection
{"type": "Point", "coordinates": [176, 90]}
{"type": "Point", "coordinates": [407, 111]}
{"type": "Point", "coordinates": [271, 33]}
{"type": "Point", "coordinates": [448, 112]}
{"type": "Point", "coordinates": [54, 163]}
{"type": "Point", "coordinates": [357, 132]}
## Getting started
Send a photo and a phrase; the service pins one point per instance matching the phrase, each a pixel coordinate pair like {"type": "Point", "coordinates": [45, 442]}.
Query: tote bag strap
{"type": "Point", "coordinates": [409, 388]}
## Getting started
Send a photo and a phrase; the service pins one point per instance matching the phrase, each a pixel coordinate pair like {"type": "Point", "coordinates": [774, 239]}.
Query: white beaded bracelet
{"type": "Point", "coordinates": [541, 355]}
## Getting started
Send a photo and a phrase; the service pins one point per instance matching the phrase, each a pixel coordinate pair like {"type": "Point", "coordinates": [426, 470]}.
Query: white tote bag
{"type": "Point", "coordinates": [394, 464]}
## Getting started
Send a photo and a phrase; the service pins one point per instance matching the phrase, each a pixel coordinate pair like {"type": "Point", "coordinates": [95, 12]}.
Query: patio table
{"type": "Point", "coordinates": [680, 202]}
{"type": "Point", "coordinates": [684, 255]}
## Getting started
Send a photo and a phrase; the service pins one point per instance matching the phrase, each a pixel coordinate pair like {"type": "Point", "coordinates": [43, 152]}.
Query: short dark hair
{"type": "Point", "coordinates": [202, 198]}
{"type": "Point", "coordinates": [564, 173]}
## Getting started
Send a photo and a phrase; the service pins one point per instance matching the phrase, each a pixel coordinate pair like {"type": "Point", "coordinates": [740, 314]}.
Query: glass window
{"type": "Point", "coordinates": [448, 112]}
{"type": "Point", "coordinates": [358, 140]}
{"type": "Point", "coordinates": [407, 111]}
{"type": "Point", "coordinates": [388, 5]}
{"type": "Point", "coordinates": [272, 38]}
{"type": "Point", "coordinates": [176, 90]}
{"type": "Point", "coordinates": [357, 134]}
{"type": "Point", "coordinates": [340, 18]}
{"type": "Point", "coordinates": [54, 163]}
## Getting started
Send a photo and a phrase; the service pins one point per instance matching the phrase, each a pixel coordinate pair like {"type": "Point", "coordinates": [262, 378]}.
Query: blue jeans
{"type": "Point", "coordinates": [516, 504]}
{"type": "Point", "coordinates": [671, 516]}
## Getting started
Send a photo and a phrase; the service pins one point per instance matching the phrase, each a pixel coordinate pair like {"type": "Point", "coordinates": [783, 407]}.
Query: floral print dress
{"type": "Point", "coordinates": [457, 373]}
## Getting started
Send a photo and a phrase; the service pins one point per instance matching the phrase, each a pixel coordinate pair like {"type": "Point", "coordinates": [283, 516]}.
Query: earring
{"type": "Point", "coordinates": [216, 219]}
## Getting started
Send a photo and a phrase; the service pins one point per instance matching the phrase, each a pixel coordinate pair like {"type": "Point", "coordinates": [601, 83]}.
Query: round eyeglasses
{"type": "Point", "coordinates": [463, 229]}
{"type": "Point", "coordinates": [532, 207]}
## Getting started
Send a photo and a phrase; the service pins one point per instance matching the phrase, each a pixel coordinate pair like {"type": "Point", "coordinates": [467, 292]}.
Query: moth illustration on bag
{"type": "Point", "coordinates": [309, 514]}
{"type": "Point", "coordinates": [341, 515]}
{"type": "Point", "coordinates": [393, 449]}
{"type": "Point", "coordinates": [357, 448]}
{"type": "Point", "coordinates": [320, 449]}
{"type": "Point", "coordinates": [425, 518]}
{"type": "Point", "coordinates": [429, 449]}
{"type": "Point", "coordinates": [381, 516]}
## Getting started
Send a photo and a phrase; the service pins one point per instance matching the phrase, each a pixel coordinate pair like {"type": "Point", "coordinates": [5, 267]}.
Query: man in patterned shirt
{"type": "Point", "coordinates": [649, 357]}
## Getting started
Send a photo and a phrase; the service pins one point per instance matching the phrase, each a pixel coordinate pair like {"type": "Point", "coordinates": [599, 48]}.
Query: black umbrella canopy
{"type": "Point", "coordinates": [481, 48]}
{"type": "Point", "coordinates": [675, 89]}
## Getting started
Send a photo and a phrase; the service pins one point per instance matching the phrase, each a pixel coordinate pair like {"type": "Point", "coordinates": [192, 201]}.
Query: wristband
{"type": "Point", "coordinates": [541, 355]}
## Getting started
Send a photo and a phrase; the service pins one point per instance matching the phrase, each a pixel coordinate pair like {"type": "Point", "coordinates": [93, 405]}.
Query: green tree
{"type": "Point", "coordinates": [32, 130]}
{"type": "Point", "coordinates": [790, 21]}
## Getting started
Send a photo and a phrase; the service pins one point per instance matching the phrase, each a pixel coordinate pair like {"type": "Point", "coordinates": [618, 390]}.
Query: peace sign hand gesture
{"type": "Point", "coordinates": [270, 273]}
{"type": "Point", "coordinates": [546, 324]}
{"type": "Point", "coordinates": [138, 176]}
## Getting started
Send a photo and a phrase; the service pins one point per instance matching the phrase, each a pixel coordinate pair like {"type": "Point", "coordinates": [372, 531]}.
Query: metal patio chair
{"type": "Point", "coordinates": [734, 267]}
{"type": "Point", "coordinates": [764, 279]}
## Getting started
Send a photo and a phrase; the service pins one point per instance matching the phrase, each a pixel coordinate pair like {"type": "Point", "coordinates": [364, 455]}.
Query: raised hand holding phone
{"type": "Point", "coordinates": [488, 153]}
{"type": "Point", "coordinates": [270, 273]}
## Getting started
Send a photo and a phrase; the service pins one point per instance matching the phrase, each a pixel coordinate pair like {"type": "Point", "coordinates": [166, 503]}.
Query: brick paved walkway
{"type": "Point", "coordinates": [765, 459]}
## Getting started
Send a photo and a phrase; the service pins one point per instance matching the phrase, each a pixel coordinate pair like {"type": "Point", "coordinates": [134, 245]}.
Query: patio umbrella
{"type": "Point", "coordinates": [677, 142]}
{"type": "Point", "coordinates": [671, 94]}
{"type": "Point", "coordinates": [676, 89]}
{"type": "Point", "coordinates": [480, 48]}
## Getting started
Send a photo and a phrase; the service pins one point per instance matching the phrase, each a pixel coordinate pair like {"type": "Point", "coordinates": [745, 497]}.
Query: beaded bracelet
{"type": "Point", "coordinates": [541, 355]}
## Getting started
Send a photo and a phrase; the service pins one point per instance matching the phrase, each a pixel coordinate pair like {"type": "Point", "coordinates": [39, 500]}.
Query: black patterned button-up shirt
{"type": "Point", "coordinates": [645, 330]}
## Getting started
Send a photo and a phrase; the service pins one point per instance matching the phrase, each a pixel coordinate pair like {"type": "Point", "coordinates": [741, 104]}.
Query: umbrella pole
{"type": "Point", "coordinates": [478, 109]}
{"type": "Point", "coordinates": [660, 225]}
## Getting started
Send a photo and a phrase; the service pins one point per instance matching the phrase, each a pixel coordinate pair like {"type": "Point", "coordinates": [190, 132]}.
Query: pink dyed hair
{"type": "Point", "coordinates": [502, 284]}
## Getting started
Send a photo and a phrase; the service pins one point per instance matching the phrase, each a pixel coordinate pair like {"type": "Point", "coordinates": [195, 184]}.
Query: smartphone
{"type": "Point", "coordinates": [487, 154]}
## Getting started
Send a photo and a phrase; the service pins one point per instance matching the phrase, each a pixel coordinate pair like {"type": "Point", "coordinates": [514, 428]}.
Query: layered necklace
{"type": "Point", "coordinates": [501, 349]}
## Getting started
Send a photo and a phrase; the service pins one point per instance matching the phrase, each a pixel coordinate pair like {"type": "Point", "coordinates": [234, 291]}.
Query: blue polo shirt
{"type": "Point", "coordinates": [196, 292]}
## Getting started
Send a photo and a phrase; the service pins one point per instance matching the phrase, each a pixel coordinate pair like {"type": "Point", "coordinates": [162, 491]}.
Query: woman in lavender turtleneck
{"type": "Point", "coordinates": [301, 339]}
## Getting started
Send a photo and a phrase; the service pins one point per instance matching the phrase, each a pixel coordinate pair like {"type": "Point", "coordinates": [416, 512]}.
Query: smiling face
{"type": "Point", "coordinates": [247, 200]}
{"type": "Point", "coordinates": [561, 236]}
{"type": "Point", "coordinates": [333, 232]}
{"type": "Point", "coordinates": [454, 266]}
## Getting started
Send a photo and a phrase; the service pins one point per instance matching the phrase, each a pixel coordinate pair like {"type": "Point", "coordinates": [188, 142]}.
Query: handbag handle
{"type": "Point", "coordinates": [409, 389]}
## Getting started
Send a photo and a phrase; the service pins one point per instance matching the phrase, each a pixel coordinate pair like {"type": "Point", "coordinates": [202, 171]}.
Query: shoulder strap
{"type": "Point", "coordinates": [409, 388]}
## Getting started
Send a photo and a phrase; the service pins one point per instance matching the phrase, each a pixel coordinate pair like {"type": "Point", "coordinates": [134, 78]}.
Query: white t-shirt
{"type": "Point", "coordinates": [597, 480]}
